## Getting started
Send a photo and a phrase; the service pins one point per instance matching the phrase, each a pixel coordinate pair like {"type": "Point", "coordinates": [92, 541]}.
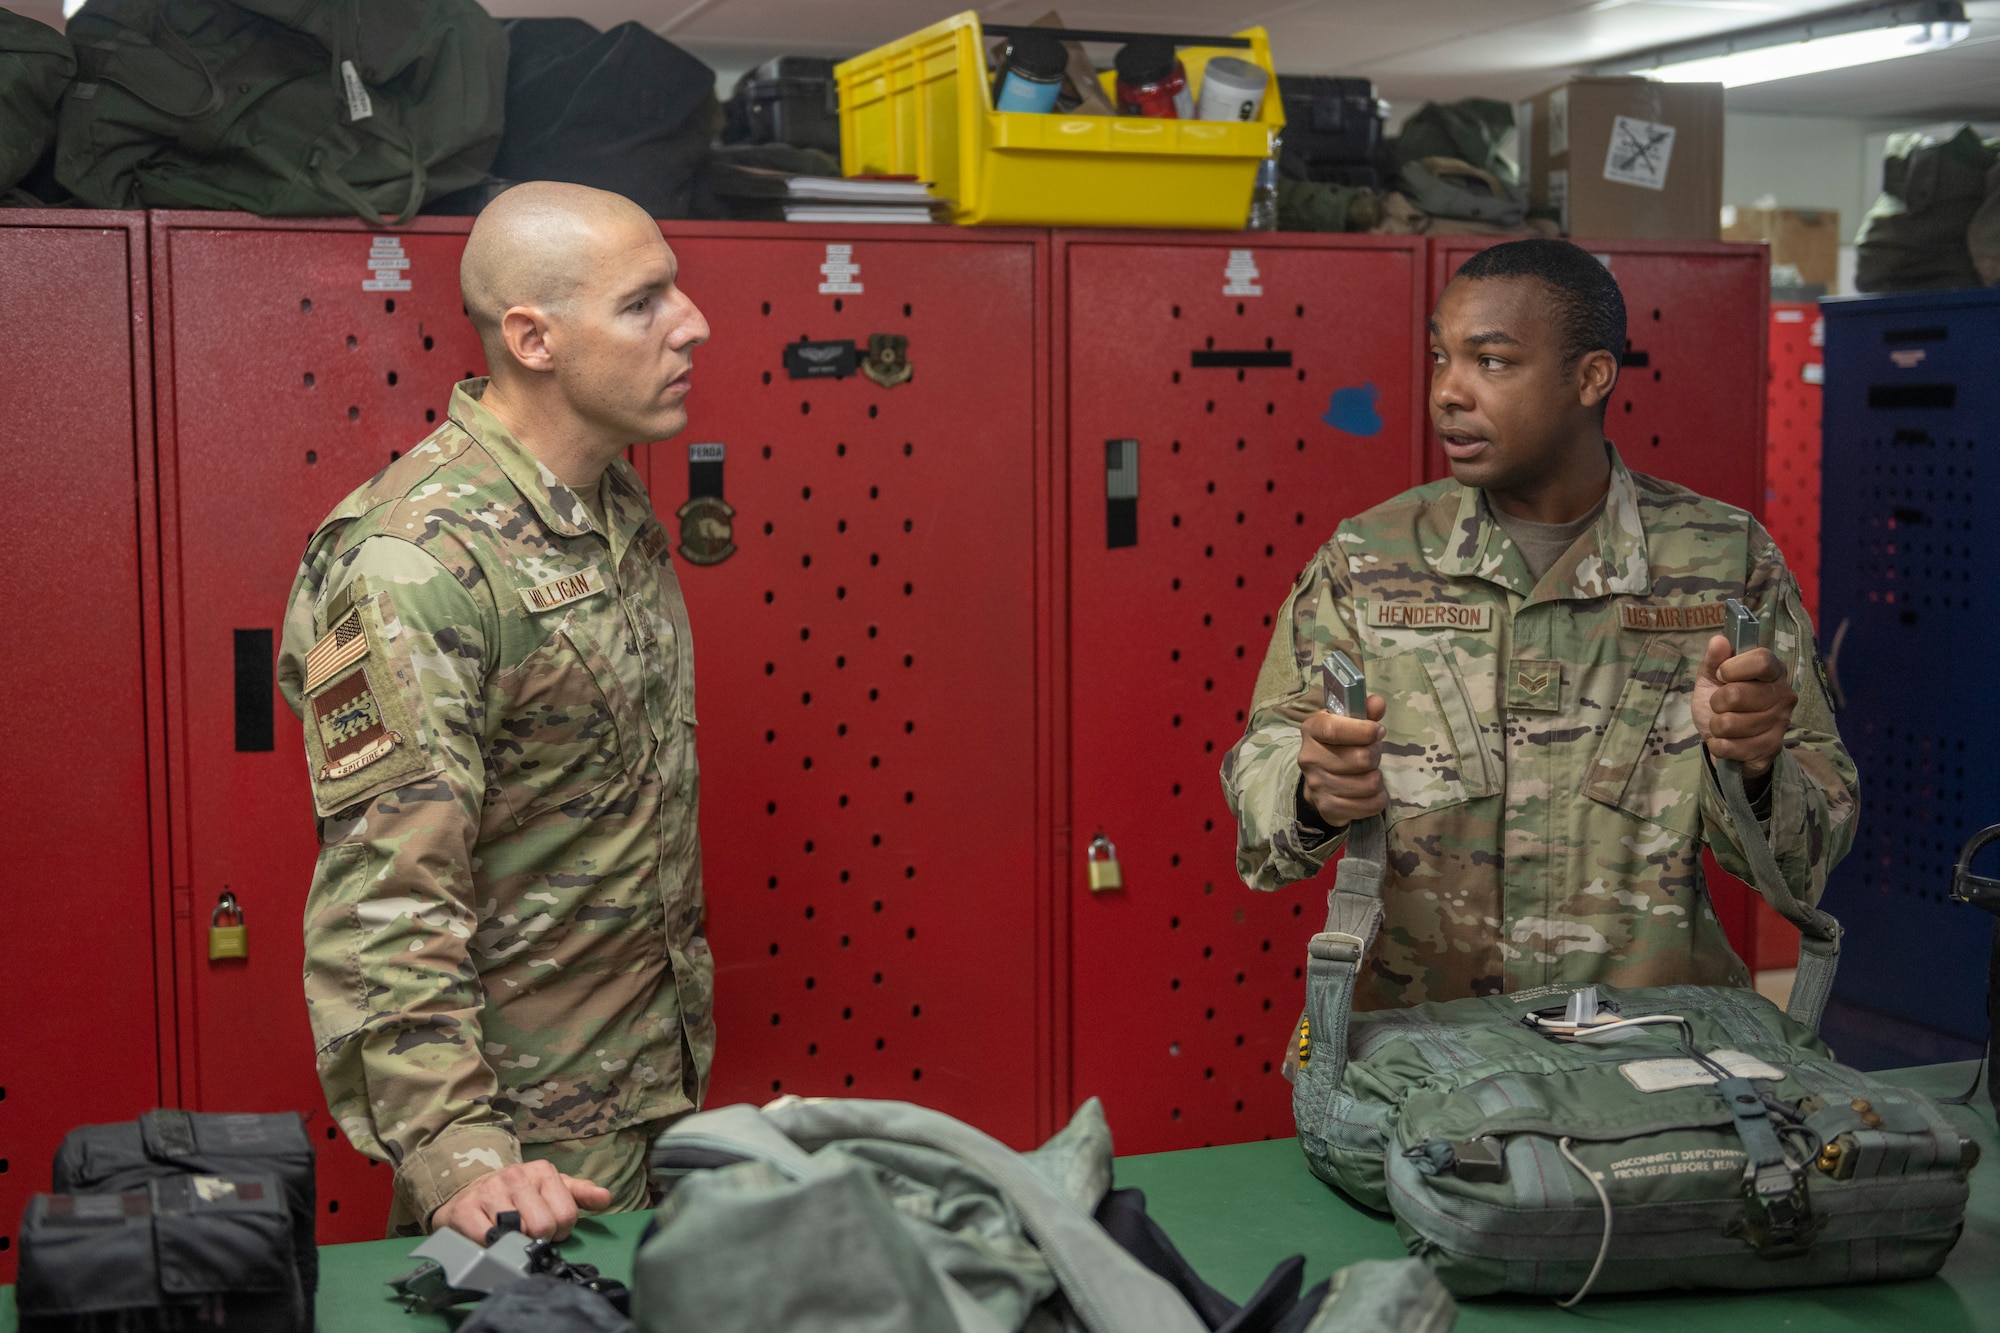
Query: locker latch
{"type": "Point", "coordinates": [232, 940]}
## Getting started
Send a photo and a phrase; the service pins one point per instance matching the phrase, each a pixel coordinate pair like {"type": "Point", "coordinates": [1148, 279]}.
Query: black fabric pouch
{"type": "Point", "coordinates": [183, 1252]}
{"type": "Point", "coordinates": [163, 1143]}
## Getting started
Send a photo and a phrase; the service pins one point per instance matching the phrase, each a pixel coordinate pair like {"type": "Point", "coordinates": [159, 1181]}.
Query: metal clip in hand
{"type": "Point", "coordinates": [1346, 689]}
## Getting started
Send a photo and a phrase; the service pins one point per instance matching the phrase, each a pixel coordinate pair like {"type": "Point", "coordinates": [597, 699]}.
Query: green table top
{"type": "Point", "coordinates": [1235, 1211]}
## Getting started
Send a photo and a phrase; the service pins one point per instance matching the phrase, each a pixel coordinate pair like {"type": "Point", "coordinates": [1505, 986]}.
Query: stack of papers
{"type": "Point", "coordinates": [826, 198]}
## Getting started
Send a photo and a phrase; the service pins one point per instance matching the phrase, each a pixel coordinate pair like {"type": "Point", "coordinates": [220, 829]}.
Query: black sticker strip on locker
{"type": "Point", "coordinates": [704, 471]}
{"type": "Point", "coordinates": [833, 359]}
{"type": "Point", "coordinates": [1203, 359]}
{"type": "Point", "coordinates": [1121, 493]}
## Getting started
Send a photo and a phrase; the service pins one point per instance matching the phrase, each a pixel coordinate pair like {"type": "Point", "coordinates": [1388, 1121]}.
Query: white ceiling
{"type": "Point", "coordinates": [1413, 49]}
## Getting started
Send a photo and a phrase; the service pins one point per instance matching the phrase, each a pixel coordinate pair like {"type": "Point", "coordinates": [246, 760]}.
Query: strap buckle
{"type": "Point", "coordinates": [1333, 946]}
{"type": "Point", "coordinates": [1976, 890]}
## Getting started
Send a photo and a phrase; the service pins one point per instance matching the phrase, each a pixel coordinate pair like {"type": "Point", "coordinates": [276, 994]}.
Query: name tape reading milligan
{"type": "Point", "coordinates": [1429, 615]}
{"type": "Point", "coordinates": [563, 590]}
{"type": "Point", "coordinates": [1706, 616]}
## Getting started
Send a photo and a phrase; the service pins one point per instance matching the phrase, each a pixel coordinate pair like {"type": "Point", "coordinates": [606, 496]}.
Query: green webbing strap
{"type": "Point", "coordinates": [1819, 933]}
{"type": "Point", "coordinates": [1333, 962]}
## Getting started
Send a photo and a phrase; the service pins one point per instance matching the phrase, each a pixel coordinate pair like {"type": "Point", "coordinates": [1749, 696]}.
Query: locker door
{"type": "Point", "coordinates": [1268, 393]}
{"type": "Point", "coordinates": [81, 735]}
{"type": "Point", "coordinates": [287, 380]}
{"type": "Point", "coordinates": [1908, 563]}
{"type": "Point", "coordinates": [1689, 406]}
{"type": "Point", "coordinates": [870, 741]}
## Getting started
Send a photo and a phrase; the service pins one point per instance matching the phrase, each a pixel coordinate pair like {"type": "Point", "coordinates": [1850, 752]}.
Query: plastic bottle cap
{"type": "Point", "coordinates": [1038, 55]}
{"type": "Point", "coordinates": [1236, 73]}
{"type": "Point", "coordinates": [1146, 60]}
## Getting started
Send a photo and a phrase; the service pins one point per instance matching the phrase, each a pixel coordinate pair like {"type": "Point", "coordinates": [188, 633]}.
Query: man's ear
{"type": "Point", "coordinates": [525, 330]}
{"type": "Point", "coordinates": [1596, 374]}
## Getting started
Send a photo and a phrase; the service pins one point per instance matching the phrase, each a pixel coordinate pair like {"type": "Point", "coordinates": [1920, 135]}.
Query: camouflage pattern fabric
{"type": "Point", "coordinates": [1549, 795]}
{"type": "Point", "coordinates": [504, 937]}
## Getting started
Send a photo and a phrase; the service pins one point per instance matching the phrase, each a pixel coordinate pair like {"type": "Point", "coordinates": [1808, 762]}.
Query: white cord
{"type": "Point", "coordinates": [1603, 1246]}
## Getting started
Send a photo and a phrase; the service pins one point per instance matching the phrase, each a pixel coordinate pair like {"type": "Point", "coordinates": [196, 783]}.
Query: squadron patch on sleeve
{"type": "Point", "coordinates": [351, 730]}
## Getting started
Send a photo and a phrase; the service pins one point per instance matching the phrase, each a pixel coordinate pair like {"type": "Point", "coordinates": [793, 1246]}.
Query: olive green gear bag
{"type": "Point", "coordinates": [1572, 1139]}
{"type": "Point", "coordinates": [36, 64]}
{"type": "Point", "coordinates": [282, 108]}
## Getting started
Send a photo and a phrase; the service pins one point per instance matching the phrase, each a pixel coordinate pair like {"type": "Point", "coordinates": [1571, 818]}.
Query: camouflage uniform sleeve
{"type": "Point", "coordinates": [1260, 774]}
{"type": "Point", "coordinates": [395, 1000]}
{"type": "Point", "coordinates": [1813, 795]}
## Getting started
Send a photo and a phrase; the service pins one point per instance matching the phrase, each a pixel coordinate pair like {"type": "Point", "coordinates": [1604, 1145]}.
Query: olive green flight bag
{"type": "Point", "coordinates": [1574, 1139]}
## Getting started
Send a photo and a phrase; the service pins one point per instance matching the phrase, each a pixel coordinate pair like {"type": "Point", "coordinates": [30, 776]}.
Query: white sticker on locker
{"type": "Point", "coordinates": [1239, 275]}
{"type": "Point", "coordinates": [389, 265]}
{"type": "Point", "coordinates": [841, 271]}
{"type": "Point", "coordinates": [1813, 372]}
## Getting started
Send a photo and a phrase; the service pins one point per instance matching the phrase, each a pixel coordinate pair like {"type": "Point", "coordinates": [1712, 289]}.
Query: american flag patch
{"type": "Point", "coordinates": [344, 645]}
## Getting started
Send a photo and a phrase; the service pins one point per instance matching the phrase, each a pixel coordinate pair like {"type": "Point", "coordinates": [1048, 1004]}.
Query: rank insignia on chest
{"type": "Point", "coordinates": [1535, 686]}
{"type": "Point", "coordinates": [1704, 615]}
{"type": "Point", "coordinates": [351, 730]}
{"type": "Point", "coordinates": [562, 590]}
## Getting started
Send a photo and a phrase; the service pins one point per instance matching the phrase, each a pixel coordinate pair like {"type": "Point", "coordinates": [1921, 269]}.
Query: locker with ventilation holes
{"type": "Point", "coordinates": [1225, 401]}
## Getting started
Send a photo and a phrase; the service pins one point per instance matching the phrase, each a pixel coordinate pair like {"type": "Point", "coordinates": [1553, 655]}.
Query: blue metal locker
{"type": "Point", "coordinates": [1910, 568]}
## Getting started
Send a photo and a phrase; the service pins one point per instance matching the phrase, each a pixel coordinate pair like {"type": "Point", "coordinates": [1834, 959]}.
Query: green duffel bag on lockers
{"type": "Point", "coordinates": [36, 64]}
{"type": "Point", "coordinates": [284, 108]}
{"type": "Point", "coordinates": [1573, 1139]}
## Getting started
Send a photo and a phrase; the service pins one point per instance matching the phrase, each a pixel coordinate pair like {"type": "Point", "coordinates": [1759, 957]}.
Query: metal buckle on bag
{"type": "Point", "coordinates": [1976, 890]}
{"type": "Point", "coordinates": [1778, 1218]}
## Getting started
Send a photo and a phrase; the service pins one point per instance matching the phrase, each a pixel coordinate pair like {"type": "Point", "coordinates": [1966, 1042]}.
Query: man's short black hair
{"type": "Point", "coordinates": [1590, 309]}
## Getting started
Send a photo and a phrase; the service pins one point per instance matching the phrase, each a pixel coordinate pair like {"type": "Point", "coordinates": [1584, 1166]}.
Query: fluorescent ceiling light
{"type": "Point", "coordinates": [1786, 51]}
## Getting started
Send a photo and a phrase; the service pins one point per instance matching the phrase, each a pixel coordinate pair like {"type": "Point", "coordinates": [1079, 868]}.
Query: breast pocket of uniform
{"type": "Point", "coordinates": [557, 737]}
{"type": "Point", "coordinates": [1436, 752]}
{"type": "Point", "coordinates": [1648, 763]}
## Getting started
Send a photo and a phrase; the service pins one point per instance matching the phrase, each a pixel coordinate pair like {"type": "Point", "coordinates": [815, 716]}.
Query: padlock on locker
{"type": "Point", "coordinates": [227, 941]}
{"type": "Point", "coordinates": [1101, 858]}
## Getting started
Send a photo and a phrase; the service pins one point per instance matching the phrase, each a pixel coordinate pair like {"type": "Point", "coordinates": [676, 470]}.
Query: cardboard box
{"type": "Point", "coordinates": [1806, 237]}
{"type": "Point", "coordinates": [1626, 157]}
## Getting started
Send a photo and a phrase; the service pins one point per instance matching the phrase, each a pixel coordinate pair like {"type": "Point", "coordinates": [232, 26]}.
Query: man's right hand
{"type": "Point", "coordinates": [546, 1199]}
{"type": "Point", "coordinates": [1340, 764]}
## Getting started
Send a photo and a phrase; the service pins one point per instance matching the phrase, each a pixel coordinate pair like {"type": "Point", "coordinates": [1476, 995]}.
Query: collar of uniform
{"type": "Point", "coordinates": [559, 506]}
{"type": "Point", "coordinates": [626, 507]}
{"type": "Point", "coordinates": [1612, 561]}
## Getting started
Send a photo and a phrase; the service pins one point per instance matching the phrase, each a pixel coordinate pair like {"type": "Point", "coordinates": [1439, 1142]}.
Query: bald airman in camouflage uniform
{"type": "Point", "coordinates": [505, 953]}
{"type": "Point", "coordinates": [1548, 791]}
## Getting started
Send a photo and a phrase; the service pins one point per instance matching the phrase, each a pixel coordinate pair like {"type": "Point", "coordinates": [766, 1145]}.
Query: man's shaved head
{"type": "Point", "coordinates": [576, 297]}
{"type": "Point", "coordinates": [535, 245]}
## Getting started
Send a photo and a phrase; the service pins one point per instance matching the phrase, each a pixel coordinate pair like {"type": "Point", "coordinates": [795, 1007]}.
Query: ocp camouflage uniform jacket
{"type": "Point", "coordinates": [1549, 794]}
{"type": "Point", "coordinates": [504, 935]}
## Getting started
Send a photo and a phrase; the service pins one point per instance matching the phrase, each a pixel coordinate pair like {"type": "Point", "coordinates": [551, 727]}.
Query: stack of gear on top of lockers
{"type": "Point", "coordinates": [36, 65]}
{"type": "Point", "coordinates": [1937, 221]}
{"type": "Point", "coordinates": [174, 1220]}
{"type": "Point", "coordinates": [1571, 1139]}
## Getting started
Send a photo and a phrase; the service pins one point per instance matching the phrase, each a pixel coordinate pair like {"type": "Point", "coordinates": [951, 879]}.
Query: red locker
{"type": "Point", "coordinates": [83, 794]}
{"type": "Point", "coordinates": [1689, 406]}
{"type": "Point", "coordinates": [878, 904]}
{"type": "Point", "coordinates": [1273, 387]}
{"type": "Point", "coordinates": [1791, 469]}
{"type": "Point", "coordinates": [283, 383]}
{"type": "Point", "coordinates": [874, 739]}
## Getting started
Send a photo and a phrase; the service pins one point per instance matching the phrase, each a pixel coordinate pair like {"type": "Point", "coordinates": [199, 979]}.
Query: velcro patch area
{"type": "Point", "coordinates": [352, 733]}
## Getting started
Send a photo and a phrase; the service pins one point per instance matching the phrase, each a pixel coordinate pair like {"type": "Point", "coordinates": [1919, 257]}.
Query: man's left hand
{"type": "Point", "coordinates": [1742, 705]}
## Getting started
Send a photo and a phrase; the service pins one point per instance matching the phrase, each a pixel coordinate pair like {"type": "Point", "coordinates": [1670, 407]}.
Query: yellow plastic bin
{"type": "Point", "coordinates": [923, 107]}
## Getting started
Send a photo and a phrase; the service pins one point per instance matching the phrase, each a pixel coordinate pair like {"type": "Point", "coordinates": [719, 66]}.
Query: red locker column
{"type": "Point", "coordinates": [1689, 406]}
{"type": "Point", "coordinates": [1791, 470]}
{"type": "Point", "coordinates": [1272, 388]}
{"type": "Point", "coordinates": [873, 740]}
{"type": "Point", "coordinates": [82, 794]}
{"type": "Point", "coordinates": [1791, 513]}
{"type": "Point", "coordinates": [284, 383]}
